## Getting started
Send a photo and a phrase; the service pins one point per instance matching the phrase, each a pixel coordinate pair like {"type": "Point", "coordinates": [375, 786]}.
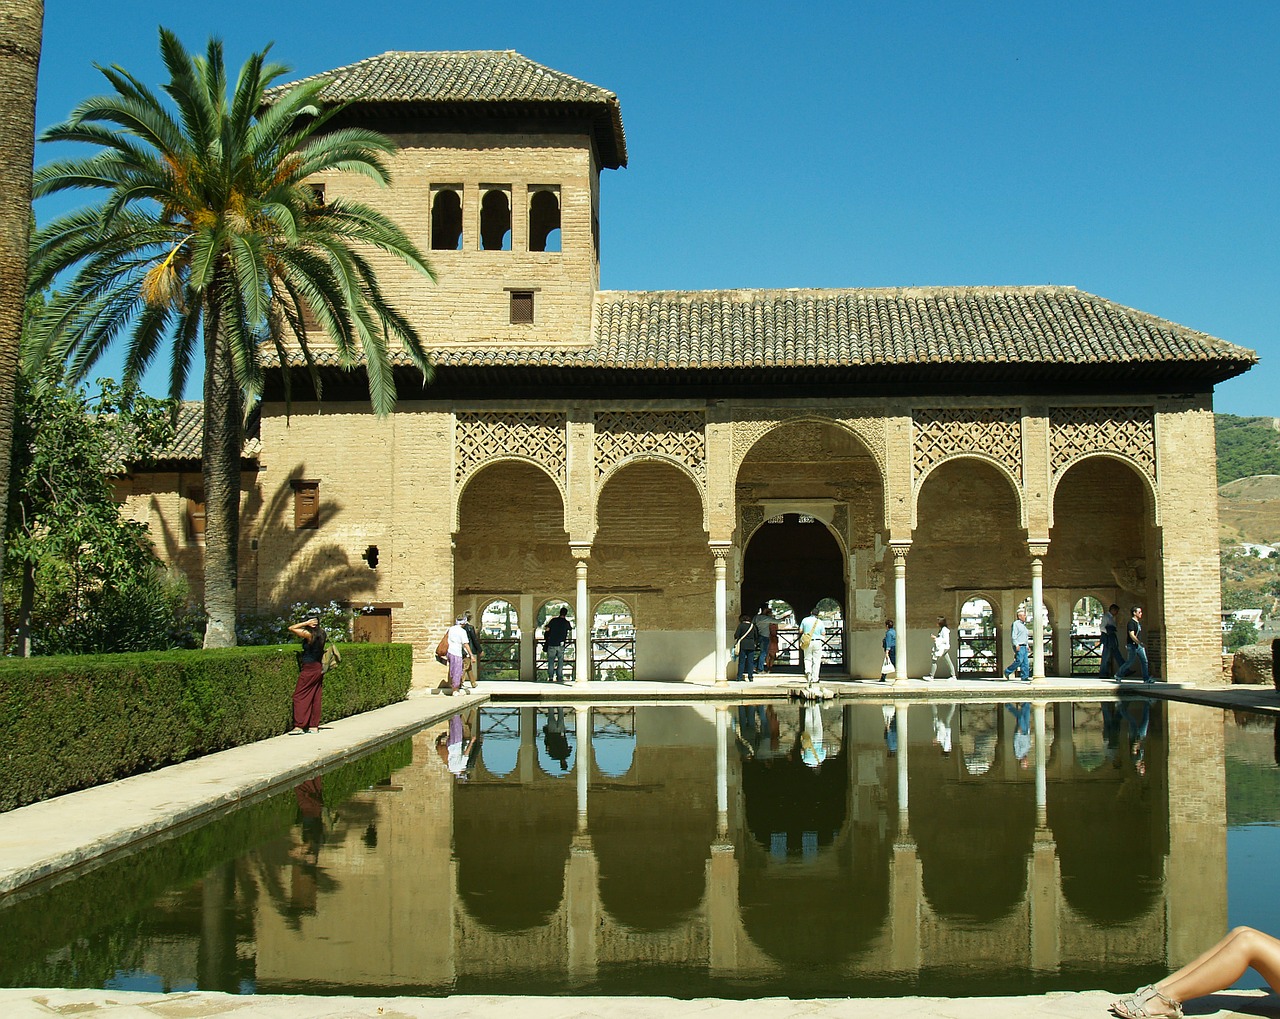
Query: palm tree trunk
{"type": "Point", "coordinates": [223, 425]}
{"type": "Point", "coordinates": [21, 25]}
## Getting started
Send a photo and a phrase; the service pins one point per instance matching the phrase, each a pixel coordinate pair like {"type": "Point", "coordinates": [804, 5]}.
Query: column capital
{"type": "Point", "coordinates": [900, 547]}
{"type": "Point", "coordinates": [580, 552]}
{"type": "Point", "coordinates": [720, 550]}
{"type": "Point", "coordinates": [1038, 548]}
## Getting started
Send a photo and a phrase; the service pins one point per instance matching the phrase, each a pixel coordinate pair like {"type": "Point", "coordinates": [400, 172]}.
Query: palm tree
{"type": "Point", "coordinates": [21, 26]}
{"type": "Point", "coordinates": [207, 230]}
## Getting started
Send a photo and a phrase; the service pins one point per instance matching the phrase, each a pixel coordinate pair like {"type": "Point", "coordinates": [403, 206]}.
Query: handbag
{"type": "Point", "coordinates": [442, 650]}
{"type": "Point", "coordinates": [805, 640]}
{"type": "Point", "coordinates": [887, 668]}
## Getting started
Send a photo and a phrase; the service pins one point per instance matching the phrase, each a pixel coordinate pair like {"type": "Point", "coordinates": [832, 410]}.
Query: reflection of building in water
{"type": "Point", "coordinates": [702, 846]}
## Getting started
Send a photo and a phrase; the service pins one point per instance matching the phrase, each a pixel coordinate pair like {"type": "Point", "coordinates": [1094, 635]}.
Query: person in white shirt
{"type": "Point", "coordinates": [816, 630]}
{"type": "Point", "coordinates": [942, 649]}
{"type": "Point", "coordinates": [459, 651]}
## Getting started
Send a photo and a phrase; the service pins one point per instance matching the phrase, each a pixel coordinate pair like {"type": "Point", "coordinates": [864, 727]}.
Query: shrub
{"type": "Point", "coordinates": [71, 723]}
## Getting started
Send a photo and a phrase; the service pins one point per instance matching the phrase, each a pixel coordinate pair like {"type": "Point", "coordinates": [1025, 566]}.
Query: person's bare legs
{"type": "Point", "coordinates": [1224, 964]}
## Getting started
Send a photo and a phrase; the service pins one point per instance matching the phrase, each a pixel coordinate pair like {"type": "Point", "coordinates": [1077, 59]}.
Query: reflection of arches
{"type": "Point", "coordinates": [510, 879]}
{"type": "Point", "coordinates": [557, 741]}
{"type": "Point", "coordinates": [979, 726]}
{"type": "Point", "coordinates": [613, 740]}
{"type": "Point", "coordinates": [500, 740]}
{"type": "Point", "coordinates": [1112, 836]}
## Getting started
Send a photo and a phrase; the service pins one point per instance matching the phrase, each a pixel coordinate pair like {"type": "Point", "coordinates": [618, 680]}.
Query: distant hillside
{"type": "Point", "coordinates": [1246, 446]}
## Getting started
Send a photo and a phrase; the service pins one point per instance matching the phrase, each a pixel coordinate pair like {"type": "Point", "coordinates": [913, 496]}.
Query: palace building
{"type": "Point", "coordinates": [661, 461]}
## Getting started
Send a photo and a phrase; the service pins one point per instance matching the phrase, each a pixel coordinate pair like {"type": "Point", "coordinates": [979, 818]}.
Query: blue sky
{"type": "Point", "coordinates": [1128, 149]}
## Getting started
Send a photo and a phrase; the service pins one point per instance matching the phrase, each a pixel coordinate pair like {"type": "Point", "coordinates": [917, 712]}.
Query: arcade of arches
{"type": "Point", "coordinates": [692, 517]}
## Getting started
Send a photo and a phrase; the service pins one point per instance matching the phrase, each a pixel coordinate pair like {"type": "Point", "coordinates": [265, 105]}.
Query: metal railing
{"type": "Point", "coordinates": [499, 658]}
{"type": "Point", "coordinates": [540, 660]}
{"type": "Point", "coordinates": [978, 656]}
{"type": "Point", "coordinates": [790, 656]}
{"type": "Point", "coordinates": [1086, 654]}
{"type": "Point", "coordinates": [613, 658]}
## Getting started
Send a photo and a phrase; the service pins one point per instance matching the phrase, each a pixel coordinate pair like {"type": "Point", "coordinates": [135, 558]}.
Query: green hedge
{"type": "Point", "coordinates": [73, 722]}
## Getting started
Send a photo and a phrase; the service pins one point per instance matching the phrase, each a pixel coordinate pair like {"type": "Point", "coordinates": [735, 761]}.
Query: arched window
{"type": "Point", "coordinates": [544, 219]}
{"type": "Point", "coordinates": [613, 641]}
{"type": "Point", "coordinates": [1086, 636]}
{"type": "Point", "coordinates": [978, 642]}
{"type": "Point", "coordinates": [499, 631]}
{"type": "Point", "coordinates": [1046, 628]}
{"type": "Point", "coordinates": [495, 220]}
{"type": "Point", "coordinates": [548, 610]}
{"type": "Point", "coordinates": [446, 220]}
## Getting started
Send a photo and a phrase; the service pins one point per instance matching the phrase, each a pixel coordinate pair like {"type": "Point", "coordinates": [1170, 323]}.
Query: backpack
{"type": "Point", "coordinates": [330, 658]}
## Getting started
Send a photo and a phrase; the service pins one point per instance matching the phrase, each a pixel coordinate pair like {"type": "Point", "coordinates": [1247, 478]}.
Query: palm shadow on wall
{"type": "Point", "coordinates": [319, 568]}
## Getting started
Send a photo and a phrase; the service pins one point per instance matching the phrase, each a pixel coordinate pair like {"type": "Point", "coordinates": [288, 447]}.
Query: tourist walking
{"type": "Point", "coordinates": [1215, 970]}
{"type": "Point", "coordinates": [1137, 653]}
{"type": "Point", "coordinates": [764, 624]}
{"type": "Point", "coordinates": [555, 635]}
{"type": "Point", "coordinates": [1110, 642]}
{"type": "Point", "coordinates": [471, 667]}
{"type": "Point", "coordinates": [459, 652]}
{"type": "Point", "coordinates": [306, 693]}
{"type": "Point", "coordinates": [1020, 638]}
{"type": "Point", "coordinates": [812, 632]}
{"type": "Point", "coordinates": [744, 646]}
{"type": "Point", "coordinates": [942, 649]}
{"type": "Point", "coordinates": [890, 644]}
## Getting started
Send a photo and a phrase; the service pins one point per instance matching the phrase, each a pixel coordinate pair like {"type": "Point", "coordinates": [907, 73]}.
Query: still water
{"type": "Point", "coordinates": [847, 849]}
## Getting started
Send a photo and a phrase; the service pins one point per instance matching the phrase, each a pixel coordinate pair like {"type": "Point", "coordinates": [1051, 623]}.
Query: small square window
{"type": "Point", "coordinates": [317, 192]}
{"type": "Point", "coordinates": [521, 307]}
{"type": "Point", "coordinates": [195, 515]}
{"type": "Point", "coordinates": [306, 504]}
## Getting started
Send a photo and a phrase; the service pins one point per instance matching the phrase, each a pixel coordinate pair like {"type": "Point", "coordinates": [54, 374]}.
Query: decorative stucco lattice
{"type": "Point", "coordinates": [752, 517]}
{"type": "Point", "coordinates": [869, 431]}
{"type": "Point", "coordinates": [840, 523]}
{"type": "Point", "coordinates": [675, 435]}
{"type": "Point", "coordinates": [994, 432]}
{"type": "Point", "coordinates": [1125, 431]}
{"type": "Point", "coordinates": [538, 437]}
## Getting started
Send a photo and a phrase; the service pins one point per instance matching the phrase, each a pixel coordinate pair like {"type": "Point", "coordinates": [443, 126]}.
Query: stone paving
{"type": "Point", "coordinates": [43, 841]}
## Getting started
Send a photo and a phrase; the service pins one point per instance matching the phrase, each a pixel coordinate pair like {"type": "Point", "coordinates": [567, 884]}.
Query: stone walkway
{"type": "Point", "coordinates": [44, 841]}
{"type": "Point", "coordinates": [20, 1004]}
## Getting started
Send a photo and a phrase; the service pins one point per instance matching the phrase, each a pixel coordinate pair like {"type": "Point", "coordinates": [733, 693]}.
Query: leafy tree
{"type": "Point", "coordinates": [1246, 447]}
{"type": "Point", "coordinates": [206, 232]}
{"type": "Point", "coordinates": [1242, 633]}
{"type": "Point", "coordinates": [85, 579]}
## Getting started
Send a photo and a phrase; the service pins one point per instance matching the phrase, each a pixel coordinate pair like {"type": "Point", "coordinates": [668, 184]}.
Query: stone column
{"type": "Point", "coordinates": [1038, 550]}
{"type": "Point", "coordinates": [900, 550]}
{"type": "Point", "coordinates": [903, 813]}
{"type": "Point", "coordinates": [905, 875]}
{"type": "Point", "coordinates": [582, 719]}
{"type": "Point", "coordinates": [1042, 800]}
{"type": "Point", "coordinates": [720, 553]}
{"type": "Point", "coordinates": [582, 668]}
{"type": "Point", "coordinates": [722, 773]}
{"type": "Point", "coordinates": [526, 612]}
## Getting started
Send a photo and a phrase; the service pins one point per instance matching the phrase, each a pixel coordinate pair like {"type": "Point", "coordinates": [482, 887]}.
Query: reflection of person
{"type": "Point", "coordinates": [890, 644]}
{"type": "Point", "coordinates": [816, 630]}
{"type": "Point", "coordinates": [744, 646]}
{"type": "Point", "coordinates": [458, 745]}
{"type": "Point", "coordinates": [1215, 970]}
{"type": "Point", "coordinates": [890, 728]}
{"type": "Point", "coordinates": [1111, 714]}
{"type": "Point", "coordinates": [553, 736]}
{"type": "Point", "coordinates": [1137, 653]}
{"type": "Point", "coordinates": [306, 693]}
{"type": "Point", "coordinates": [1021, 731]}
{"type": "Point", "coordinates": [942, 715]}
{"type": "Point", "coordinates": [763, 623]}
{"type": "Point", "coordinates": [459, 651]}
{"type": "Point", "coordinates": [1019, 637]}
{"type": "Point", "coordinates": [1139, 723]}
{"type": "Point", "coordinates": [942, 649]}
{"type": "Point", "coordinates": [310, 796]}
{"type": "Point", "coordinates": [556, 633]}
{"type": "Point", "coordinates": [1110, 642]}
{"type": "Point", "coordinates": [813, 747]}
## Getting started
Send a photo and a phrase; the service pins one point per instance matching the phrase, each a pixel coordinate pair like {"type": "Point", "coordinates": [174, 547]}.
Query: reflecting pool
{"type": "Point", "coordinates": [742, 851]}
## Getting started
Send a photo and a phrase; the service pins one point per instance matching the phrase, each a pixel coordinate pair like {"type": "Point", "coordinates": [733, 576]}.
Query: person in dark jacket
{"type": "Point", "coordinates": [744, 646]}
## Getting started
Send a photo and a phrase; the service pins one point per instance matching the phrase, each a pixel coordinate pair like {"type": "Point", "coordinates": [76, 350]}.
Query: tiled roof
{"type": "Point", "coordinates": [188, 435]}
{"type": "Point", "coordinates": [471, 77]}
{"type": "Point", "coordinates": [1004, 327]}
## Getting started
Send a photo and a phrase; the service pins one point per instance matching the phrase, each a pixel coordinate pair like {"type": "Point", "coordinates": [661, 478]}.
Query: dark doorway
{"type": "Point", "coordinates": [793, 559]}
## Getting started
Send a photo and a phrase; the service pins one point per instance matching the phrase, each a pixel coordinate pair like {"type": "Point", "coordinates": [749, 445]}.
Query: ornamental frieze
{"type": "Point", "coordinates": [993, 432]}
{"type": "Point", "coordinates": [678, 435]}
{"type": "Point", "coordinates": [1075, 432]}
{"type": "Point", "coordinates": [537, 437]}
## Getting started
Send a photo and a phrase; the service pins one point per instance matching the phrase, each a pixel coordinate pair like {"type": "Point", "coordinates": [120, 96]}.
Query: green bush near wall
{"type": "Point", "coordinates": [73, 722]}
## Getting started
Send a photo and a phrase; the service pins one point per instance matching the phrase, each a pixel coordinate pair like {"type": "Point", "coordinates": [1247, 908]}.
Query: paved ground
{"type": "Point", "coordinates": [20, 1004]}
{"type": "Point", "coordinates": [42, 841]}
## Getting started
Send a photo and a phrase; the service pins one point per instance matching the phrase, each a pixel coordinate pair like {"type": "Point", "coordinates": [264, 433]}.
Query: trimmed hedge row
{"type": "Point", "coordinates": [73, 722]}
